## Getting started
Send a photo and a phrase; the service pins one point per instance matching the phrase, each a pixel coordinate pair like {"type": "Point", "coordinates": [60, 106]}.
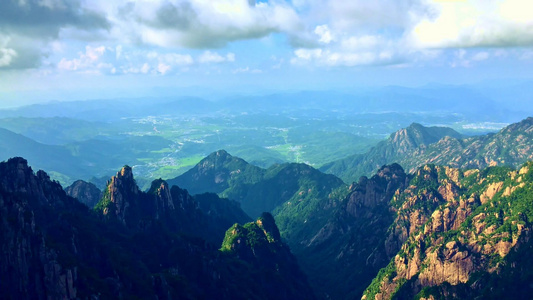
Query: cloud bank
{"type": "Point", "coordinates": [163, 36]}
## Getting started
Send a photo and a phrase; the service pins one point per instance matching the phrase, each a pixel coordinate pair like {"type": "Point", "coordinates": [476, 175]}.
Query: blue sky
{"type": "Point", "coordinates": [79, 49]}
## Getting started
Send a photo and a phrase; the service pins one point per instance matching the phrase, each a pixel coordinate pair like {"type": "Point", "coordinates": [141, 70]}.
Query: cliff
{"type": "Point", "coordinates": [471, 228]}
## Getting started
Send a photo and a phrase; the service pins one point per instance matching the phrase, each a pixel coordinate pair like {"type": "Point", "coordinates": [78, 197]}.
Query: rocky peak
{"type": "Point", "coordinates": [378, 190]}
{"type": "Point", "coordinates": [267, 223]}
{"type": "Point", "coordinates": [16, 173]}
{"type": "Point", "coordinates": [163, 197]}
{"type": "Point", "coordinates": [120, 197]}
{"type": "Point", "coordinates": [255, 239]}
{"type": "Point", "coordinates": [255, 244]}
{"type": "Point", "coordinates": [454, 224]}
{"type": "Point", "coordinates": [16, 176]}
{"type": "Point", "coordinates": [214, 173]}
{"type": "Point", "coordinates": [416, 135]}
{"type": "Point", "coordinates": [86, 192]}
{"type": "Point", "coordinates": [525, 126]}
{"type": "Point", "coordinates": [126, 173]}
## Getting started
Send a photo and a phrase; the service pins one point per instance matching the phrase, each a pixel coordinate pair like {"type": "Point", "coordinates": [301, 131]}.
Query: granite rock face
{"type": "Point", "coordinates": [463, 226]}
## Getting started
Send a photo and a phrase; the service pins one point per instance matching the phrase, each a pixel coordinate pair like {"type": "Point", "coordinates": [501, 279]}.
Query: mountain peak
{"type": "Point", "coordinates": [19, 164]}
{"type": "Point", "coordinates": [222, 152]}
{"type": "Point", "coordinates": [416, 135]}
{"type": "Point", "coordinates": [217, 155]}
{"type": "Point", "coordinates": [416, 126]}
{"type": "Point", "coordinates": [267, 223]}
{"type": "Point", "coordinates": [213, 173]}
{"type": "Point", "coordinates": [525, 125]}
{"type": "Point", "coordinates": [120, 196]}
{"type": "Point", "coordinates": [126, 172]}
{"type": "Point", "coordinates": [85, 192]}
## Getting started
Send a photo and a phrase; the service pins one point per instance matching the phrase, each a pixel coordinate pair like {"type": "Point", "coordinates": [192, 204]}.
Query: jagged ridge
{"type": "Point", "coordinates": [54, 247]}
{"type": "Point", "coordinates": [416, 146]}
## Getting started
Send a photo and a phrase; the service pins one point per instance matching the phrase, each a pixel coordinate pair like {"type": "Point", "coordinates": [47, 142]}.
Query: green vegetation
{"type": "Point", "coordinates": [385, 274]}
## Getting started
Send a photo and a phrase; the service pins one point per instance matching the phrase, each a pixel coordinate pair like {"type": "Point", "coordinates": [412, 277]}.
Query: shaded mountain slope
{"type": "Point", "coordinates": [134, 245]}
{"type": "Point", "coordinates": [343, 255]}
{"type": "Point", "coordinates": [217, 172]}
{"type": "Point", "coordinates": [258, 190]}
{"type": "Point", "coordinates": [54, 158]}
{"type": "Point", "coordinates": [83, 159]}
{"type": "Point", "coordinates": [398, 145]}
{"type": "Point", "coordinates": [85, 192]}
{"type": "Point", "coordinates": [259, 243]}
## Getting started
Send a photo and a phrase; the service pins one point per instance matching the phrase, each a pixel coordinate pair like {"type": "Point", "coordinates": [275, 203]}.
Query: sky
{"type": "Point", "coordinates": [82, 49]}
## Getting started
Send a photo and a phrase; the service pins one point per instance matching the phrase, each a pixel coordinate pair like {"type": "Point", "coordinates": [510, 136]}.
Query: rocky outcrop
{"type": "Point", "coordinates": [478, 220]}
{"type": "Point", "coordinates": [259, 244]}
{"type": "Point", "coordinates": [121, 198]}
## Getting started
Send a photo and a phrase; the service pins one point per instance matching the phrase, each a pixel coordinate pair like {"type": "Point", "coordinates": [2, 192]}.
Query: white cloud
{"type": "Point", "coordinates": [247, 70]}
{"type": "Point", "coordinates": [213, 57]}
{"type": "Point", "coordinates": [361, 42]}
{"type": "Point", "coordinates": [118, 51]}
{"type": "Point", "coordinates": [145, 68]}
{"type": "Point", "coordinates": [308, 54]}
{"type": "Point", "coordinates": [527, 55]}
{"type": "Point", "coordinates": [87, 60]}
{"type": "Point", "coordinates": [163, 68]}
{"type": "Point", "coordinates": [202, 23]}
{"type": "Point", "coordinates": [321, 32]}
{"type": "Point", "coordinates": [477, 23]}
{"type": "Point", "coordinates": [324, 33]}
{"type": "Point", "coordinates": [338, 58]}
{"type": "Point", "coordinates": [176, 59]}
{"type": "Point", "coordinates": [6, 56]}
{"type": "Point", "coordinates": [34, 26]}
{"type": "Point", "coordinates": [481, 56]}
{"type": "Point", "coordinates": [465, 58]}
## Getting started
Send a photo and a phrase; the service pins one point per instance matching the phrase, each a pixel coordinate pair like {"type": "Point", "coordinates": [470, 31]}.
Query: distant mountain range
{"type": "Point", "coordinates": [82, 159]}
{"type": "Point", "coordinates": [417, 145]}
{"type": "Point", "coordinates": [443, 98]}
